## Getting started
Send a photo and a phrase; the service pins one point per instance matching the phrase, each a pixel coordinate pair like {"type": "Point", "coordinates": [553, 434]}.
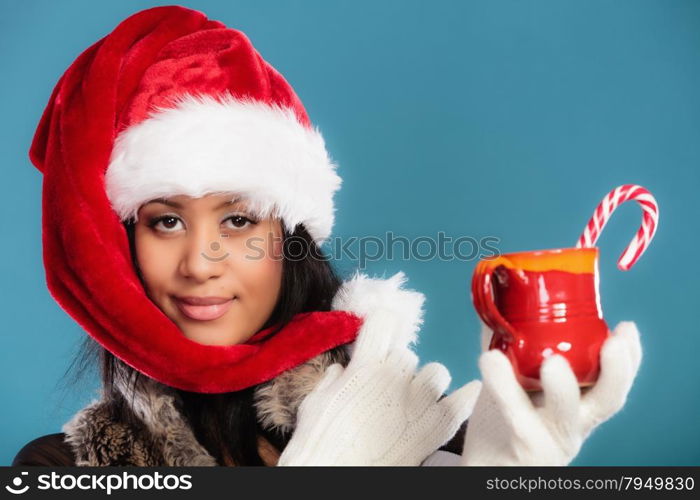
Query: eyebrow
{"type": "Point", "coordinates": [175, 204]}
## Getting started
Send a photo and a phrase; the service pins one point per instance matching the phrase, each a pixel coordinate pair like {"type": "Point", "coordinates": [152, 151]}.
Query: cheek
{"type": "Point", "coordinates": [153, 261]}
{"type": "Point", "coordinates": [263, 276]}
{"type": "Point", "coordinates": [262, 266]}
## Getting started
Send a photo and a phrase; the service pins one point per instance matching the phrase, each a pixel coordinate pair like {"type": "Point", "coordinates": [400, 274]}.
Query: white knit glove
{"type": "Point", "coordinates": [510, 427]}
{"type": "Point", "coordinates": [377, 410]}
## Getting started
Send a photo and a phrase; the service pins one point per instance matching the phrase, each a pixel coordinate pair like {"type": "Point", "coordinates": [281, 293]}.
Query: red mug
{"type": "Point", "coordinates": [542, 303]}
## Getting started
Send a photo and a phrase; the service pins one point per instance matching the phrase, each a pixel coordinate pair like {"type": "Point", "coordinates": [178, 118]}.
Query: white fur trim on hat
{"type": "Point", "coordinates": [205, 145]}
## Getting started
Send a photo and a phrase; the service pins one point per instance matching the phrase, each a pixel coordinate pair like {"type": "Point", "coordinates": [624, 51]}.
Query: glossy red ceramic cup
{"type": "Point", "coordinates": [541, 303]}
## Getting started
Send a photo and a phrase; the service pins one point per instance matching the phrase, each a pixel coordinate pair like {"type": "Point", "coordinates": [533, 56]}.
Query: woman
{"type": "Point", "coordinates": [167, 258]}
{"type": "Point", "coordinates": [186, 195]}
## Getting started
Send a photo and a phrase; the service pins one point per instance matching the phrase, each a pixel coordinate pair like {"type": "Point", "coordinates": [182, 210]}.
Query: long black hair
{"type": "Point", "coordinates": [226, 423]}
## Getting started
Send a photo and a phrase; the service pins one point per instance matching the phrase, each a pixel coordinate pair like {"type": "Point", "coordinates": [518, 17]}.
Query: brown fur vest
{"type": "Point", "coordinates": [159, 434]}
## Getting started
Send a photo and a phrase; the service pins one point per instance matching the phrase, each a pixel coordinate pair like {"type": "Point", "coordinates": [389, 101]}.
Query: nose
{"type": "Point", "coordinates": [202, 256]}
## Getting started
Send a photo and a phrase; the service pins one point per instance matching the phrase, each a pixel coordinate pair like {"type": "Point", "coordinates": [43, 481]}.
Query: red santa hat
{"type": "Point", "coordinates": [210, 115]}
{"type": "Point", "coordinates": [173, 103]}
{"type": "Point", "coordinates": [202, 143]}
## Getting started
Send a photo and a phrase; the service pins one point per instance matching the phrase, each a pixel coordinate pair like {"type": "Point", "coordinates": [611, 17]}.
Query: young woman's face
{"type": "Point", "coordinates": [210, 266]}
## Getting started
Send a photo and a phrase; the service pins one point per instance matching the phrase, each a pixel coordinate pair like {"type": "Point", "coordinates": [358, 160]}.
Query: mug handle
{"type": "Point", "coordinates": [482, 295]}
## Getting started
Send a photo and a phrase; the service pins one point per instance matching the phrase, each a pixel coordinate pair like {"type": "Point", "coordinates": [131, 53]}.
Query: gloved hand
{"type": "Point", "coordinates": [510, 427]}
{"type": "Point", "coordinates": [377, 410]}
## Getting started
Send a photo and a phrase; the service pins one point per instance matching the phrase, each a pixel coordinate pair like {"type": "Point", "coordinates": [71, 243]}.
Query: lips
{"type": "Point", "coordinates": [204, 308]}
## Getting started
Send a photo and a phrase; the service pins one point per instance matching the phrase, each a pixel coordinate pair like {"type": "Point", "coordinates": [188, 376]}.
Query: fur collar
{"type": "Point", "coordinates": [160, 435]}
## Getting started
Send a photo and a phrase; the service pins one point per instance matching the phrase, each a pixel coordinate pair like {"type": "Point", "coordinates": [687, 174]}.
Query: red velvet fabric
{"type": "Point", "coordinates": [149, 58]}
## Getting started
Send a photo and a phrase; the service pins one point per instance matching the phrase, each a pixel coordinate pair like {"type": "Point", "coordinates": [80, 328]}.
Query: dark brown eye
{"type": "Point", "coordinates": [169, 222]}
{"type": "Point", "coordinates": [165, 223]}
{"type": "Point", "coordinates": [239, 221]}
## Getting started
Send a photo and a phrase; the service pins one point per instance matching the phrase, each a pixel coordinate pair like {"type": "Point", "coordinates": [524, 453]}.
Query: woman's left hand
{"type": "Point", "coordinates": [379, 409]}
{"type": "Point", "coordinates": [509, 427]}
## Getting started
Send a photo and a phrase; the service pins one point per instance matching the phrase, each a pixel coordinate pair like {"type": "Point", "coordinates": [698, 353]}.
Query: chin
{"type": "Point", "coordinates": [210, 339]}
{"type": "Point", "coordinates": [210, 335]}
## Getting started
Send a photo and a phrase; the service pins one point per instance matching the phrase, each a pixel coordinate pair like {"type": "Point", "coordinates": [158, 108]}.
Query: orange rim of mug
{"type": "Point", "coordinates": [573, 260]}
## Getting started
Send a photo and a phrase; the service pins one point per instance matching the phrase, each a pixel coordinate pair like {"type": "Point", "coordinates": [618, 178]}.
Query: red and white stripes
{"type": "Point", "coordinates": [650, 220]}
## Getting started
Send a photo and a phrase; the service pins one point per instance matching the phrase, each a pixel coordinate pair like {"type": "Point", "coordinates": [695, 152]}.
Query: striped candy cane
{"type": "Point", "coordinates": [650, 220]}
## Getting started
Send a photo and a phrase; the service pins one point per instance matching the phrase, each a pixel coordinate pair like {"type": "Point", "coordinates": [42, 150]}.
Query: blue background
{"type": "Point", "coordinates": [506, 118]}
